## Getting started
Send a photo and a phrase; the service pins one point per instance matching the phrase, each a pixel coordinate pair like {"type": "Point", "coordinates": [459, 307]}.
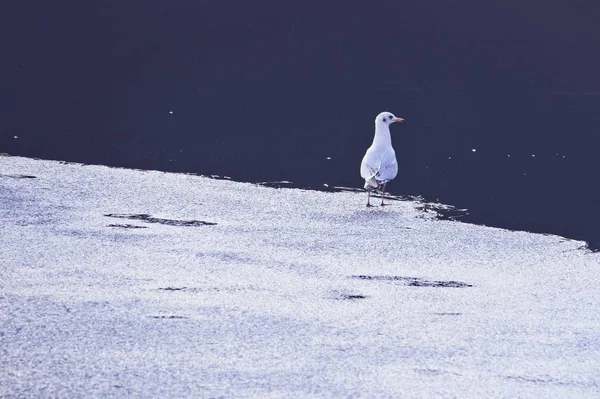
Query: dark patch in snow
{"type": "Point", "coordinates": [385, 278]}
{"type": "Point", "coordinates": [168, 317]}
{"type": "Point", "coordinates": [18, 176]}
{"type": "Point", "coordinates": [144, 217]}
{"type": "Point", "coordinates": [447, 314]}
{"type": "Point", "coordinates": [127, 226]}
{"type": "Point", "coordinates": [351, 297]}
{"type": "Point", "coordinates": [348, 297]}
{"type": "Point", "coordinates": [451, 284]}
{"type": "Point", "coordinates": [415, 281]}
{"type": "Point", "coordinates": [173, 289]}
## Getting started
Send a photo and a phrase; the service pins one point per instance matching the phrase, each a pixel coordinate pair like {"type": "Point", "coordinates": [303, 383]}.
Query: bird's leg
{"type": "Point", "coordinates": [383, 195]}
{"type": "Point", "coordinates": [369, 198]}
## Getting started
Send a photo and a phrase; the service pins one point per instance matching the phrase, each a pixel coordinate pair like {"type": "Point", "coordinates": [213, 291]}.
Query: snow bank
{"type": "Point", "coordinates": [119, 282]}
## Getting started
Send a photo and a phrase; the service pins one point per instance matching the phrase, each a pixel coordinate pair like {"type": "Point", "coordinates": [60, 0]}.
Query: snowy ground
{"type": "Point", "coordinates": [283, 293]}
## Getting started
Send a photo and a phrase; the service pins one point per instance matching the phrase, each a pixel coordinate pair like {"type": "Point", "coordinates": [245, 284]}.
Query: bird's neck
{"type": "Point", "coordinates": [382, 136]}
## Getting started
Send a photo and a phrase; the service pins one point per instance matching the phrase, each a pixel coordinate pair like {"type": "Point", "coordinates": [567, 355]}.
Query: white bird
{"type": "Point", "coordinates": [379, 164]}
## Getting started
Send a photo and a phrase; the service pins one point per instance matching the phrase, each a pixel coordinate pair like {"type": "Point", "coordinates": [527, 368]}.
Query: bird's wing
{"type": "Point", "coordinates": [370, 166]}
{"type": "Point", "coordinates": [389, 167]}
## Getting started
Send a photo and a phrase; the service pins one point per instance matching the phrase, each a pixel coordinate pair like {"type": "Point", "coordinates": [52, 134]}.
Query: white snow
{"type": "Point", "coordinates": [292, 293]}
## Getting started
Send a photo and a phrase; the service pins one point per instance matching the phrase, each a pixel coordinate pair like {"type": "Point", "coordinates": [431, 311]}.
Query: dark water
{"type": "Point", "coordinates": [263, 92]}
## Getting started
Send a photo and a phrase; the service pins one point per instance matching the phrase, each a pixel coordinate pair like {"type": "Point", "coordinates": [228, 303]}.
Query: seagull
{"type": "Point", "coordinates": [379, 164]}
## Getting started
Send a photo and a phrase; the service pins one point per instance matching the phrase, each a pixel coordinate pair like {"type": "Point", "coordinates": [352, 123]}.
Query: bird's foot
{"type": "Point", "coordinates": [369, 205]}
{"type": "Point", "coordinates": [382, 204]}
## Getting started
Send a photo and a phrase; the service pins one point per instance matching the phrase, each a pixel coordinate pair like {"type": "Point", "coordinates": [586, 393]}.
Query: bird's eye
{"type": "Point", "coordinates": [391, 117]}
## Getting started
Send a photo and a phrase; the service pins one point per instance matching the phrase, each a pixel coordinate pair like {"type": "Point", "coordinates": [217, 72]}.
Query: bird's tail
{"type": "Point", "coordinates": [371, 184]}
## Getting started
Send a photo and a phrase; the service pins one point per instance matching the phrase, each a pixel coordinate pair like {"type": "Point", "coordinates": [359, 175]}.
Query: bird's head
{"type": "Point", "coordinates": [387, 118]}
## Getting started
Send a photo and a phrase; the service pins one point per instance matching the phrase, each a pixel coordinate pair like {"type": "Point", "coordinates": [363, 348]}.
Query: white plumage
{"type": "Point", "coordinates": [379, 164]}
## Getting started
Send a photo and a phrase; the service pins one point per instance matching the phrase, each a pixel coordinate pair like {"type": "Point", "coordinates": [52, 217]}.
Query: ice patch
{"type": "Point", "coordinates": [287, 293]}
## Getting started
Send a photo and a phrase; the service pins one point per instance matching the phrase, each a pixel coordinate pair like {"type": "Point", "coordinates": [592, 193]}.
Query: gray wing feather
{"type": "Point", "coordinates": [388, 172]}
{"type": "Point", "coordinates": [369, 169]}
